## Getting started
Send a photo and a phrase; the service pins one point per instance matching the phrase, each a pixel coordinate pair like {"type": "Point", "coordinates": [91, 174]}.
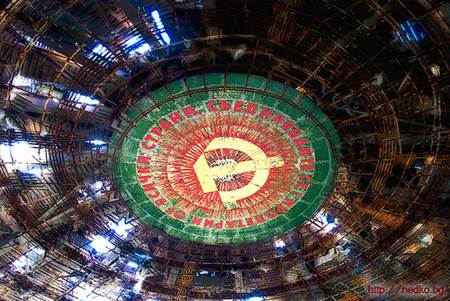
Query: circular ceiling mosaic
{"type": "Point", "coordinates": [225, 159]}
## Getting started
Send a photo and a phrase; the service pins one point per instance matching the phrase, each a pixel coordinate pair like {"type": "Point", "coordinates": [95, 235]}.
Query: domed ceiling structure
{"type": "Point", "coordinates": [224, 150]}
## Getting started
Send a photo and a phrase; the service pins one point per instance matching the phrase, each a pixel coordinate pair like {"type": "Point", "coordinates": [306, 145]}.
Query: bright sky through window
{"type": "Point", "coordinates": [136, 45]}
{"type": "Point", "coordinates": [100, 50]}
{"type": "Point", "coordinates": [162, 34]}
{"type": "Point", "coordinates": [100, 244]}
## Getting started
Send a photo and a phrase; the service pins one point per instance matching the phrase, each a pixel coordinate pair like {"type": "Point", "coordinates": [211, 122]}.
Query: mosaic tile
{"type": "Point", "coordinates": [214, 167]}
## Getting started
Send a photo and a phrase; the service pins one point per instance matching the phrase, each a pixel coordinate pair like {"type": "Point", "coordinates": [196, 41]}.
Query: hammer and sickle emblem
{"type": "Point", "coordinates": [259, 163]}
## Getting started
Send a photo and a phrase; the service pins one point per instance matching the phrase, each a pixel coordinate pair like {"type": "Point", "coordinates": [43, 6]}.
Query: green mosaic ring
{"type": "Point", "coordinates": [225, 158]}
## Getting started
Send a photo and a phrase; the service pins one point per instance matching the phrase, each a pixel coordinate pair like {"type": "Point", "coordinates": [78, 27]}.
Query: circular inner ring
{"type": "Point", "coordinates": [225, 166]}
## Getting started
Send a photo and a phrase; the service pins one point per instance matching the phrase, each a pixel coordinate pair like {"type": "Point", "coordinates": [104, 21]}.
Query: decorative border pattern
{"type": "Point", "coordinates": [315, 125]}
